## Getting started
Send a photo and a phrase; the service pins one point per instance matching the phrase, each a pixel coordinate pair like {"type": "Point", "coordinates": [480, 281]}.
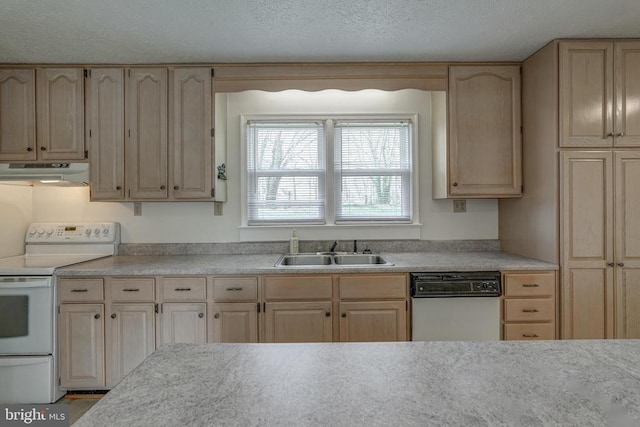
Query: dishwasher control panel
{"type": "Point", "coordinates": [456, 284]}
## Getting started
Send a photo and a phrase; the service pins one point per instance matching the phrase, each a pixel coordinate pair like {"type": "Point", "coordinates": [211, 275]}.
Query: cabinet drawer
{"type": "Point", "coordinates": [184, 288]}
{"type": "Point", "coordinates": [81, 289]}
{"type": "Point", "coordinates": [525, 310]}
{"type": "Point", "coordinates": [132, 289]}
{"type": "Point", "coordinates": [297, 288]}
{"type": "Point", "coordinates": [529, 331]}
{"type": "Point", "coordinates": [373, 287]}
{"type": "Point", "coordinates": [235, 289]}
{"type": "Point", "coordinates": [533, 284]}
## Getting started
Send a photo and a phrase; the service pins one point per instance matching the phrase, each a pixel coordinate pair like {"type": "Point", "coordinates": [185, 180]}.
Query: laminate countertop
{"type": "Point", "coordinates": [264, 264]}
{"type": "Point", "coordinates": [548, 383]}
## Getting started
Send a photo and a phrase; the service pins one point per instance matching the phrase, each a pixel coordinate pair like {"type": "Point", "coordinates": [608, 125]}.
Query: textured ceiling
{"type": "Point", "coordinates": [154, 31]}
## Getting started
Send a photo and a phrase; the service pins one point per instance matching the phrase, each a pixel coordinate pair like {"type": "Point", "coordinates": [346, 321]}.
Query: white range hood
{"type": "Point", "coordinates": [46, 173]}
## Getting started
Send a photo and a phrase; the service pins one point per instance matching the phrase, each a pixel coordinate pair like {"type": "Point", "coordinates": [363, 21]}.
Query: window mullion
{"type": "Point", "coordinates": [331, 192]}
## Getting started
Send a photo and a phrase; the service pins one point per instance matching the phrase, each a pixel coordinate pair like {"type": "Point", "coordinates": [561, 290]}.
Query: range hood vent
{"type": "Point", "coordinates": [46, 173]}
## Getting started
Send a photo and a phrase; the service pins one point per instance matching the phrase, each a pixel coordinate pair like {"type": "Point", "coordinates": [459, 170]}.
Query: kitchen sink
{"type": "Point", "coordinates": [325, 259]}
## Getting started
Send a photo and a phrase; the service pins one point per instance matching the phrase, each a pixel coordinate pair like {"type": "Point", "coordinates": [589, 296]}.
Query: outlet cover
{"type": "Point", "coordinates": [459, 205]}
{"type": "Point", "coordinates": [217, 209]}
{"type": "Point", "coordinates": [137, 209]}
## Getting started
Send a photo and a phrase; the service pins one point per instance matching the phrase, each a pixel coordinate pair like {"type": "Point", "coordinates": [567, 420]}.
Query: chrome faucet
{"type": "Point", "coordinates": [355, 246]}
{"type": "Point", "coordinates": [333, 246]}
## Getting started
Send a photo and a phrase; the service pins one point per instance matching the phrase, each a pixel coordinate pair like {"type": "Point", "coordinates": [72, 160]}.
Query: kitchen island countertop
{"type": "Point", "coordinates": [585, 383]}
{"type": "Point", "coordinates": [264, 264]}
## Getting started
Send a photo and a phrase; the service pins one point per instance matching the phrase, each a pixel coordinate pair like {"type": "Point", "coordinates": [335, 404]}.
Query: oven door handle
{"type": "Point", "coordinates": [22, 361]}
{"type": "Point", "coordinates": [32, 282]}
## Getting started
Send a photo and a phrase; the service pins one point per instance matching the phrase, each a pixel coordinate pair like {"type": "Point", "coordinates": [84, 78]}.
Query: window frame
{"type": "Point", "coordinates": [330, 174]}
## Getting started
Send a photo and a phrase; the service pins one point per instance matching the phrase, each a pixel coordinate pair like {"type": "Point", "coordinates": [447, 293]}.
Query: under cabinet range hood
{"type": "Point", "coordinates": [63, 174]}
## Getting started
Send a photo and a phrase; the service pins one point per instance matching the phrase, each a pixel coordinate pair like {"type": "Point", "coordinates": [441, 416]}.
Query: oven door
{"type": "Point", "coordinates": [26, 315]}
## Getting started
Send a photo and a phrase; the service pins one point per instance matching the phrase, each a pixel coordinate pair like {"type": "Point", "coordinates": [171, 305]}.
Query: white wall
{"type": "Point", "coordinates": [194, 221]}
{"type": "Point", "coordinates": [15, 216]}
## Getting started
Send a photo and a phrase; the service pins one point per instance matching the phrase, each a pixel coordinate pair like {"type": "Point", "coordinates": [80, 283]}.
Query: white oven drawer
{"type": "Point", "coordinates": [27, 379]}
{"type": "Point", "coordinates": [26, 316]}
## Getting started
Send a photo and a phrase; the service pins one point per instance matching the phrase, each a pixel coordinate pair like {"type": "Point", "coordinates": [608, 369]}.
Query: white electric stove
{"type": "Point", "coordinates": [28, 364]}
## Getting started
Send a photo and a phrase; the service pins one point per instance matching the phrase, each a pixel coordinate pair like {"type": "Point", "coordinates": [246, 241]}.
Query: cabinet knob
{"type": "Point", "coordinates": [97, 316]}
{"type": "Point", "coordinates": [113, 316]}
{"type": "Point", "coordinates": [43, 148]}
{"type": "Point", "coordinates": [620, 134]}
{"type": "Point", "coordinates": [610, 264]}
{"type": "Point", "coordinates": [216, 316]}
{"type": "Point", "coordinates": [201, 315]}
{"type": "Point", "coordinates": [327, 314]}
{"type": "Point", "coordinates": [344, 314]}
{"type": "Point", "coordinates": [29, 149]}
{"type": "Point", "coordinates": [118, 188]}
{"type": "Point", "coordinates": [621, 264]}
{"type": "Point", "coordinates": [175, 187]}
{"type": "Point", "coordinates": [162, 187]}
{"type": "Point", "coordinates": [609, 135]}
{"type": "Point", "coordinates": [455, 184]}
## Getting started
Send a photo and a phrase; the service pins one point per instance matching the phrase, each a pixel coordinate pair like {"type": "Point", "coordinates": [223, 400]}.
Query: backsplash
{"type": "Point", "coordinates": [384, 246]}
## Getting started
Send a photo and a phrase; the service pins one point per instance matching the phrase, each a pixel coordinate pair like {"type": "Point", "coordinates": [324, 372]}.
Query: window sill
{"type": "Point", "coordinates": [386, 231]}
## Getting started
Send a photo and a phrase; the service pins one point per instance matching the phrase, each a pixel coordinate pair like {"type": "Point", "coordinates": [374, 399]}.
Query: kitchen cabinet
{"type": "Point", "coordinates": [60, 113]}
{"type": "Point", "coordinates": [183, 323]}
{"type": "Point", "coordinates": [191, 133]}
{"type": "Point", "coordinates": [298, 308]}
{"type": "Point", "coordinates": [130, 326]}
{"type": "Point", "coordinates": [81, 311]}
{"type": "Point", "coordinates": [529, 305]}
{"type": "Point", "coordinates": [233, 313]}
{"type": "Point", "coordinates": [373, 307]}
{"type": "Point", "coordinates": [599, 89]}
{"type": "Point", "coordinates": [579, 210]}
{"type": "Point", "coordinates": [484, 142]}
{"type": "Point", "coordinates": [146, 124]}
{"type": "Point", "coordinates": [17, 115]}
{"type": "Point", "coordinates": [105, 132]}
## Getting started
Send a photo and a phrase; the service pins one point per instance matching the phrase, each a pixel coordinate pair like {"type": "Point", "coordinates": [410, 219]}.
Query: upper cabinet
{"type": "Point", "coordinates": [484, 143]}
{"type": "Point", "coordinates": [60, 112]}
{"type": "Point", "coordinates": [17, 114]}
{"type": "Point", "coordinates": [599, 89]}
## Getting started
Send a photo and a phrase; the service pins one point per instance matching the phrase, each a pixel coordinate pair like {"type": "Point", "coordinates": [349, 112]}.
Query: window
{"type": "Point", "coordinates": [289, 179]}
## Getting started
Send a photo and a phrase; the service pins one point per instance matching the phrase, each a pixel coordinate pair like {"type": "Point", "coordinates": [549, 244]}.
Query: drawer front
{"type": "Point", "coordinates": [529, 331]}
{"type": "Point", "coordinates": [297, 288]}
{"type": "Point", "coordinates": [81, 289]}
{"type": "Point", "coordinates": [528, 310]}
{"type": "Point", "coordinates": [373, 287]}
{"type": "Point", "coordinates": [235, 289]}
{"type": "Point", "coordinates": [132, 289]}
{"type": "Point", "coordinates": [529, 285]}
{"type": "Point", "coordinates": [184, 288]}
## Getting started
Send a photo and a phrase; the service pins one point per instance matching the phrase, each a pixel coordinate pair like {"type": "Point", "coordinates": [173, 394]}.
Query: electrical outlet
{"type": "Point", "coordinates": [217, 209]}
{"type": "Point", "coordinates": [137, 209]}
{"type": "Point", "coordinates": [459, 205]}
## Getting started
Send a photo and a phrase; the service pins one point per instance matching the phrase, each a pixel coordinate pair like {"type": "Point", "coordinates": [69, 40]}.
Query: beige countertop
{"type": "Point", "coordinates": [237, 264]}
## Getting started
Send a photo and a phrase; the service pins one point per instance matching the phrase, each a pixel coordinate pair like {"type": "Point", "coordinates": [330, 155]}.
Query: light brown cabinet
{"type": "Point", "coordinates": [599, 89]}
{"type": "Point", "coordinates": [484, 141]}
{"type": "Point", "coordinates": [529, 305]}
{"type": "Point", "coordinates": [17, 115]}
{"type": "Point", "coordinates": [105, 134]}
{"type": "Point", "coordinates": [60, 113]}
{"type": "Point", "coordinates": [234, 312]}
{"type": "Point", "coordinates": [183, 323]}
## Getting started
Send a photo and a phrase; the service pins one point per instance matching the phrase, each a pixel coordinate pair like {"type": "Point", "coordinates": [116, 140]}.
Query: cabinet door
{"type": "Point", "coordinates": [373, 321]}
{"type": "Point", "coordinates": [587, 244]}
{"type": "Point", "coordinates": [184, 323]}
{"type": "Point", "coordinates": [105, 132]}
{"type": "Point", "coordinates": [191, 142]}
{"type": "Point", "coordinates": [627, 207]}
{"type": "Point", "coordinates": [130, 338]}
{"type": "Point", "coordinates": [60, 109]}
{"type": "Point", "coordinates": [627, 87]}
{"type": "Point", "coordinates": [17, 115]}
{"type": "Point", "coordinates": [234, 322]}
{"type": "Point", "coordinates": [298, 322]}
{"type": "Point", "coordinates": [81, 346]}
{"type": "Point", "coordinates": [146, 122]}
{"type": "Point", "coordinates": [586, 94]}
{"type": "Point", "coordinates": [484, 131]}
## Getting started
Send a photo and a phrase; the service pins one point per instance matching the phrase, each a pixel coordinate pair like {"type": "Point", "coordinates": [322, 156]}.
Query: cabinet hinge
{"type": "Point", "coordinates": [213, 73]}
{"type": "Point", "coordinates": [129, 133]}
{"type": "Point", "coordinates": [213, 133]}
{"type": "Point", "coordinates": [213, 192]}
{"type": "Point", "coordinates": [86, 73]}
{"type": "Point", "coordinates": [156, 308]}
{"type": "Point", "coordinates": [406, 305]}
{"type": "Point", "coordinates": [264, 307]}
{"type": "Point", "coordinates": [258, 307]}
{"type": "Point", "coordinates": [58, 308]}
{"type": "Point", "coordinates": [89, 133]}
{"type": "Point", "coordinates": [129, 72]}
{"type": "Point", "coordinates": [520, 130]}
{"type": "Point", "coordinates": [86, 154]}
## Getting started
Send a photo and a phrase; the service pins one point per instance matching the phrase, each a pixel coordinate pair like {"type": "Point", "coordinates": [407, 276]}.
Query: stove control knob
{"type": "Point", "coordinates": [49, 231]}
{"type": "Point", "coordinates": [40, 231]}
{"type": "Point", "coordinates": [105, 231]}
{"type": "Point", "coordinates": [96, 231]}
{"type": "Point", "coordinates": [32, 232]}
{"type": "Point", "coordinates": [87, 232]}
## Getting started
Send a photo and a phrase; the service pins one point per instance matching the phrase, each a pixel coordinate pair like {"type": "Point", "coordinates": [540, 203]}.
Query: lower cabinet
{"type": "Point", "coordinates": [373, 321]}
{"type": "Point", "coordinates": [306, 321]}
{"type": "Point", "coordinates": [183, 323]}
{"type": "Point", "coordinates": [234, 322]}
{"type": "Point", "coordinates": [81, 346]}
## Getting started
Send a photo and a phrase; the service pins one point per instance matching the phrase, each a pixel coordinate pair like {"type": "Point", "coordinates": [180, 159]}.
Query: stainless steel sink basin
{"type": "Point", "coordinates": [360, 259]}
{"type": "Point", "coordinates": [327, 259]}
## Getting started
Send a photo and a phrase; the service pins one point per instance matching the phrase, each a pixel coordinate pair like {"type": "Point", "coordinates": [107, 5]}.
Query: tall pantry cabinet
{"type": "Point", "coordinates": [581, 205]}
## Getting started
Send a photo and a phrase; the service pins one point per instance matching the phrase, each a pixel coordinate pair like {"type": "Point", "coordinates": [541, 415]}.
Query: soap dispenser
{"type": "Point", "coordinates": [293, 243]}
